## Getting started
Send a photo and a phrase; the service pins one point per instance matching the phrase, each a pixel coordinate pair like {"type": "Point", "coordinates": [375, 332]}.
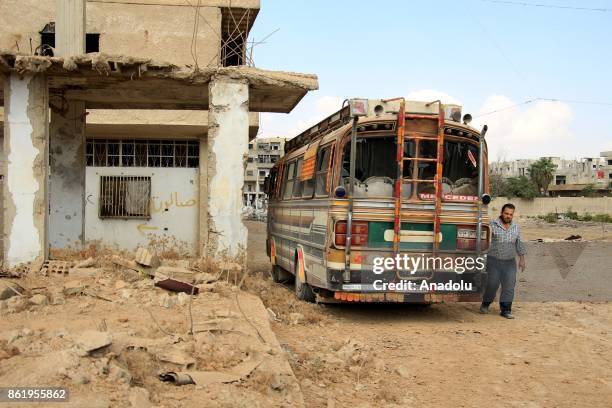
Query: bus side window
{"type": "Point", "coordinates": [270, 183]}
{"type": "Point", "coordinates": [288, 179]}
{"type": "Point", "coordinates": [297, 182]}
{"type": "Point", "coordinates": [308, 188]}
{"type": "Point", "coordinates": [322, 168]}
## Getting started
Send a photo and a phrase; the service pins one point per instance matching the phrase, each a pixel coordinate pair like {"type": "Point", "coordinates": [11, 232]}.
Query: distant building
{"type": "Point", "coordinates": [571, 176]}
{"type": "Point", "coordinates": [263, 153]}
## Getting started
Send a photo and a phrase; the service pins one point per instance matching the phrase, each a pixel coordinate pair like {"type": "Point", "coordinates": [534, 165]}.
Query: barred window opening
{"type": "Point", "coordinates": [125, 197]}
{"type": "Point", "coordinates": [142, 153]}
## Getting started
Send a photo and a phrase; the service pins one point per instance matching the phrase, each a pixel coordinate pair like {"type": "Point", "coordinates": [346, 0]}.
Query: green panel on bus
{"type": "Point", "coordinates": [376, 236]}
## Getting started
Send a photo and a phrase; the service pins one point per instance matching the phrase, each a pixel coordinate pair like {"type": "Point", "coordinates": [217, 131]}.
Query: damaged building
{"type": "Point", "coordinates": [105, 143]}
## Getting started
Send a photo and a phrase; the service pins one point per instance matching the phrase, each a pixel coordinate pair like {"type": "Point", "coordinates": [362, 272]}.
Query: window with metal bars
{"type": "Point", "coordinates": [142, 153]}
{"type": "Point", "coordinates": [125, 197]}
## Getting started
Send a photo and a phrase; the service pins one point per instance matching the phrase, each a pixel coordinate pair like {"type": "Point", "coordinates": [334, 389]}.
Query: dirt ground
{"type": "Point", "coordinates": [105, 332]}
{"type": "Point", "coordinates": [557, 353]}
{"type": "Point", "coordinates": [534, 228]}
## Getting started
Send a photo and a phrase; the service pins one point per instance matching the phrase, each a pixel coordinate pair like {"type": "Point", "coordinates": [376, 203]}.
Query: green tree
{"type": "Point", "coordinates": [541, 173]}
{"type": "Point", "coordinates": [521, 187]}
{"type": "Point", "coordinates": [588, 190]}
{"type": "Point", "coordinates": [497, 185]}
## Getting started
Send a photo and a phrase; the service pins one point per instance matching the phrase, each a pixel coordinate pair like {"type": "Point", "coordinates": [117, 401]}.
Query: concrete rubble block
{"type": "Point", "coordinates": [85, 272]}
{"type": "Point", "coordinates": [39, 299]}
{"type": "Point", "coordinates": [56, 267]}
{"type": "Point", "coordinates": [126, 263]}
{"type": "Point", "coordinates": [176, 356]}
{"type": "Point", "coordinates": [204, 277]}
{"type": "Point", "coordinates": [16, 304]}
{"type": "Point", "coordinates": [146, 257]}
{"type": "Point", "coordinates": [92, 340]}
{"type": "Point", "coordinates": [139, 398]}
{"type": "Point", "coordinates": [119, 373]}
{"type": "Point", "coordinates": [130, 275]}
{"type": "Point", "coordinates": [73, 287]}
{"type": "Point", "coordinates": [175, 272]}
{"type": "Point", "coordinates": [87, 263]}
{"type": "Point", "coordinates": [9, 289]}
{"type": "Point", "coordinates": [37, 265]}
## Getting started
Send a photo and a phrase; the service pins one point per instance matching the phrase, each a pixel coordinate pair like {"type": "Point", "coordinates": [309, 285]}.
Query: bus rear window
{"type": "Point", "coordinates": [376, 167]}
{"type": "Point", "coordinates": [460, 169]}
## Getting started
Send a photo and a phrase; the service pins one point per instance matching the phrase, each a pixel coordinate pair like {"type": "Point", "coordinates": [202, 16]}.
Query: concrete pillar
{"type": "Point", "coordinates": [203, 194]}
{"type": "Point", "coordinates": [228, 138]}
{"type": "Point", "coordinates": [67, 178]}
{"type": "Point", "coordinates": [26, 135]}
{"type": "Point", "coordinates": [69, 27]}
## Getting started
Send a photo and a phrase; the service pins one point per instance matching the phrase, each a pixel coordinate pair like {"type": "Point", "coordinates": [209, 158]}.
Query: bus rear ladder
{"type": "Point", "coordinates": [397, 227]}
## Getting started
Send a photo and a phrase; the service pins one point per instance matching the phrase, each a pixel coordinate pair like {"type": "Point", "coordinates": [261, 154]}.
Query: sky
{"type": "Point", "coordinates": [486, 55]}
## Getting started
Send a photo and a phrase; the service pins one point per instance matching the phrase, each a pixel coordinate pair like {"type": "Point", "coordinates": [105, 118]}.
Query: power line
{"type": "Point", "coordinates": [525, 102]}
{"type": "Point", "coordinates": [555, 6]}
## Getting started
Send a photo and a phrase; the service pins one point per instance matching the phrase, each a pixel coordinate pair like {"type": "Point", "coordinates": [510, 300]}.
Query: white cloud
{"type": "Point", "coordinates": [540, 128]}
{"type": "Point", "coordinates": [310, 111]}
{"type": "Point", "coordinates": [429, 95]}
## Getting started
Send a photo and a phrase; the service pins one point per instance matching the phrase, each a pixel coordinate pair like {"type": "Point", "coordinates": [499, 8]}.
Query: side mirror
{"type": "Point", "coordinates": [486, 199]}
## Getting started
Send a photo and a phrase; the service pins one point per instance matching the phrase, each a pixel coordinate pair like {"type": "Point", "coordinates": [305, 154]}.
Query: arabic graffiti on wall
{"type": "Point", "coordinates": [158, 205]}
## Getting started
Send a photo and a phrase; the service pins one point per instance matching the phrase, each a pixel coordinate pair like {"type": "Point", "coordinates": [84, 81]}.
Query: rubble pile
{"type": "Point", "coordinates": [141, 332]}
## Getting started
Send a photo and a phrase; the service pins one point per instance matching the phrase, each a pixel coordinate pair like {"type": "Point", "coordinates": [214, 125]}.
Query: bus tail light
{"type": "Point", "coordinates": [466, 239]}
{"type": "Point", "coordinates": [359, 233]}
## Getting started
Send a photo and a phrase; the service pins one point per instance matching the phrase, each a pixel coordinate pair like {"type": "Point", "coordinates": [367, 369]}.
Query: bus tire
{"type": "Point", "coordinates": [303, 291]}
{"type": "Point", "coordinates": [279, 275]}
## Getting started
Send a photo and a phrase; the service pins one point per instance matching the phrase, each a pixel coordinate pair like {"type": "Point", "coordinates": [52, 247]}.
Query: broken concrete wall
{"type": "Point", "coordinates": [174, 207]}
{"type": "Point", "coordinates": [67, 177]}
{"type": "Point", "coordinates": [227, 154]}
{"type": "Point", "coordinates": [158, 29]}
{"type": "Point", "coordinates": [26, 104]}
{"type": "Point", "coordinates": [162, 31]}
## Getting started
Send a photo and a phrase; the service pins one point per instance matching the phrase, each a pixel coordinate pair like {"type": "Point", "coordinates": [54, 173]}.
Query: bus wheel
{"type": "Point", "coordinates": [279, 275]}
{"type": "Point", "coordinates": [303, 290]}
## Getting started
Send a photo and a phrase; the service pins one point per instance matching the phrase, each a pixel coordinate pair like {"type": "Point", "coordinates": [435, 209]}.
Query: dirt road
{"type": "Point", "coordinates": [555, 354]}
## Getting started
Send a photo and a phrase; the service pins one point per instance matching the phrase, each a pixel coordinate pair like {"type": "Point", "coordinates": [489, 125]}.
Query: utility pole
{"type": "Point", "coordinates": [69, 27]}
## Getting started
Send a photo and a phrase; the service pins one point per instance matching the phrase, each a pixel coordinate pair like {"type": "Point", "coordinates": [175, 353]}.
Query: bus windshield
{"type": "Point", "coordinates": [376, 167]}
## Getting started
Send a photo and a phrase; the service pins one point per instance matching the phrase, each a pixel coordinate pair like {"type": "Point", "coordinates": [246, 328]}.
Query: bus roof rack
{"type": "Point", "coordinates": [374, 108]}
{"type": "Point", "coordinates": [332, 122]}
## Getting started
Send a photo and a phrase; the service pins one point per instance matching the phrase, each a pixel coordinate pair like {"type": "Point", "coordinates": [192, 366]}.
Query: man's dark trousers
{"type": "Point", "coordinates": [500, 271]}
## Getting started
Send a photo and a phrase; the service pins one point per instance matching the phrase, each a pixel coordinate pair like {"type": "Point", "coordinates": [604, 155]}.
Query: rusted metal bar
{"type": "Point", "coordinates": [438, 181]}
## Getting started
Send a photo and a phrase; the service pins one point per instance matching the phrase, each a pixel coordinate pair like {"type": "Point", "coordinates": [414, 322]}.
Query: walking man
{"type": "Point", "coordinates": [501, 261]}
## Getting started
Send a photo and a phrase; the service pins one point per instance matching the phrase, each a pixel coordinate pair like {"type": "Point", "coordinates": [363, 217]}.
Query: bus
{"type": "Point", "coordinates": [383, 201]}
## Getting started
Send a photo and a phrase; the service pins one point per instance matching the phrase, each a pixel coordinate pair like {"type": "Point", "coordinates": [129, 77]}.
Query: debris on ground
{"type": "Point", "coordinates": [9, 289]}
{"type": "Point", "coordinates": [176, 279]}
{"type": "Point", "coordinates": [573, 238]}
{"type": "Point", "coordinates": [123, 325]}
{"type": "Point", "coordinates": [146, 257]}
